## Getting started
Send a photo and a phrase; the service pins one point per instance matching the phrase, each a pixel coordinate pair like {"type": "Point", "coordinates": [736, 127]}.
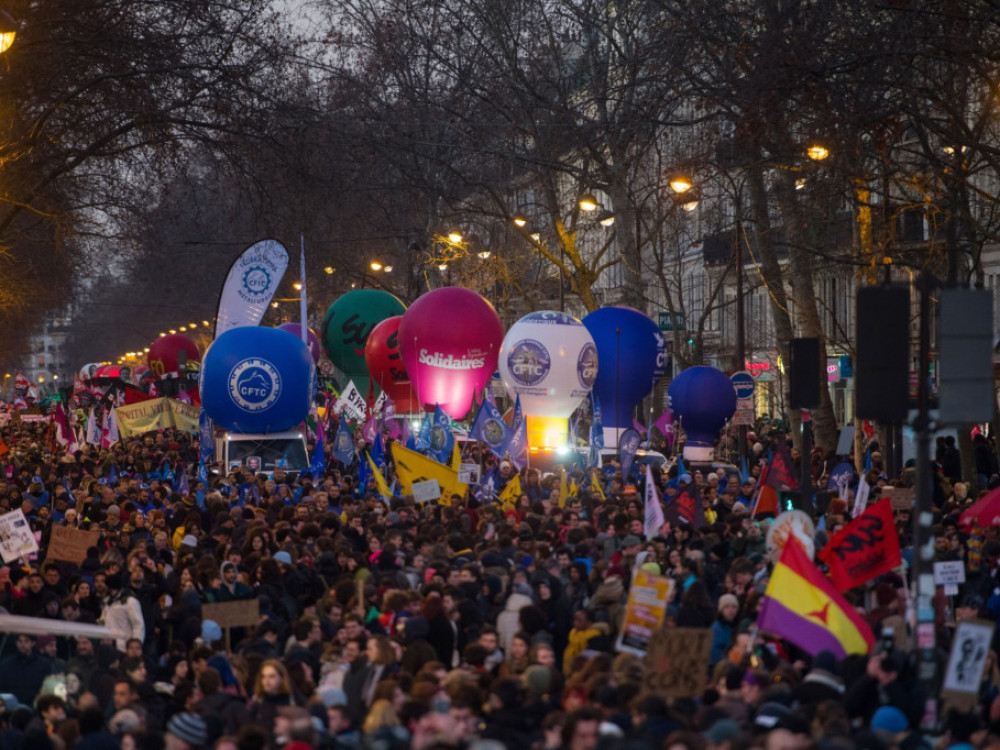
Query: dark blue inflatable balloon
{"type": "Point", "coordinates": [257, 380]}
{"type": "Point", "coordinates": [703, 398]}
{"type": "Point", "coordinates": [632, 356]}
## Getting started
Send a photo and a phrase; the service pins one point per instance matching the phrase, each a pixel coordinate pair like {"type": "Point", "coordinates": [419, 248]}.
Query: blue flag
{"type": "Point", "coordinates": [744, 471]}
{"type": "Point", "coordinates": [206, 443]}
{"type": "Point", "coordinates": [343, 443]}
{"type": "Point", "coordinates": [422, 441]}
{"type": "Point", "coordinates": [489, 428]}
{"type": "Point", "coordinates": [317, 466]}
{"type": "Point", "coordinates": [681, 471]}
{"type": "Point", "coordinates": [113, 475]}
{"type": "Point", "coordinates": [168, 474]}
{"type": "Point", "coordinates": [377, 453]}
{"type": "Point", "coordinates": [183, 486]}
{"type": "Point", "coordinates": [628, 444]}
{"type": "Point", "coordinates": [364, 476]}
{"type": "Point", "coordinates": [518, 416]}
{"type": "Point", "coordinates": [442, 439]}
{"type": "Point", "coordinates": [517, 443]}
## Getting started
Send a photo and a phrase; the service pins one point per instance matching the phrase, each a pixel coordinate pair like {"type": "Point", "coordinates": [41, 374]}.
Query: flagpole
{"type": "Point", "coordinates": [303, 315]}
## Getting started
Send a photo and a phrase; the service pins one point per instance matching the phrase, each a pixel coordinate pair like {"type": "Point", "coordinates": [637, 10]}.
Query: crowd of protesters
{"type": "Point", "coordinates": [469, 623]}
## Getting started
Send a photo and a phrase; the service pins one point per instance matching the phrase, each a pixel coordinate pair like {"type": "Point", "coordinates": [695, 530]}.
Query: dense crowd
{"type": "Point", "coordinates": [463, 623]}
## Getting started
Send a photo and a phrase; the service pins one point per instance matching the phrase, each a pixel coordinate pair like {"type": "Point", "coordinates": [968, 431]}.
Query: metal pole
{"type": "Point", "coordinates": [741, 344]}
{"type": "Point", "coordinates": [923, 534]}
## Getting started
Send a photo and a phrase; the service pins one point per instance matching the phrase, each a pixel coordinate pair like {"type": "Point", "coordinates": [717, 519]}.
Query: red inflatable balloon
{"type": "Point", "coordinates": [164, 354]}
{"type": "Point", "coordinates": [449, 340]}
{"type": "Point", "coordinates": [386, 365]}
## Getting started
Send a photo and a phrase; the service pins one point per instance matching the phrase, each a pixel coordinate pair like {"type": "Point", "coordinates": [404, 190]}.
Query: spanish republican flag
{"type": "Point", "coordinates": [802, 606]}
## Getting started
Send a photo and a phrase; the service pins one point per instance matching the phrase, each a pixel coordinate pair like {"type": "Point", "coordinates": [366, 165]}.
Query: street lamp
{"type": "Point", "coordinates": [817, 152]}
{"type": "Point", "coordinates": [606, 218]}
{"type": "Point", "coordinates": [455, 238]}
{"type": "Point", "coordinates": [8, 30]}
{"type": "Point", "coordinates": [520, 222]}
{"type": "Point", "coordinates": [680, 183]}
{"type": "Point", "coordinates": [588, 202]}
{"type": "Point", "coordinates": [375, 265]}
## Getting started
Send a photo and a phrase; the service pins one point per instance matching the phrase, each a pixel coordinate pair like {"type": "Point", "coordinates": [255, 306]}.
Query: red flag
{"type": "Point", "coordinates": [135, 396]}
{"type": "Point", "coordinates": [687, 509]}
{"type": "Point", "coordinates": [767, 498]}
{"type": "Point", "coordinates": [781, 471]}
{"type": "Point", "coordinates": [867, 547]}
{"type": "Point", "coordinates": [21, 382]}
{"type": "Point", "coordinates": [370, 401]}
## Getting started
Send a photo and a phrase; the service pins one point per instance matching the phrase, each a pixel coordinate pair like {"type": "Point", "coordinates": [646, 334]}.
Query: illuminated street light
{"type": "Point", "coordinates": [520, 222]}
{"type": "Point", "coordinates": [388, 269]}
{"type": "Point", "coordinates": [588, 202]}
{"type": "Point", "coordinates": [680, 183]}
{"type": "Point", "coordinates": [455, 238]}
{"type": "Point", "coordinates": [817, 152]}
{"type": "Point", "coordinates": [375, 265]}
{"type": "Point", "coordinates": [442, 266]}
{"type": "Point", "coordinates": [298, 286]}
{"type": "Point", "coordinates": [484, 254]}
{"type": "Point", "coordinates": [606, 218]}
{"type": "Point", "coordinates": [329, 269]}
{"type": "Point", "coordinates": [8, 30]}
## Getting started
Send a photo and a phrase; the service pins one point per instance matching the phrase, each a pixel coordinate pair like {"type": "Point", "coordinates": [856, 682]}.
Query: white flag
{"type": "Point", "coordinates": [654, 511]}
{"type": "Point", "coordinates": [250, 285]}
{"type": "Point", "coordinates": [861, 498]}
{"type": "Point", "coordinates": [93, 433]}
{"type": "Point", "coordinates": [113, 436]}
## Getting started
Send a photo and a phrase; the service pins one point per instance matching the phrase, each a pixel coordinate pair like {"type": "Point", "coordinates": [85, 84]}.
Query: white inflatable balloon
{"type": "Point", "coordinates": [548, 358]}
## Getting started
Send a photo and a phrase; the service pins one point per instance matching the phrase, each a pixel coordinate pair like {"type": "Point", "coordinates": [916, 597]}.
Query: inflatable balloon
{"type": "Point", "coordinates": [449, 340]}
{"type": "Point", "coordinates": [703, 399]}
{"type": "Point", "coordinates": [632, 355]}
{"type": "Point", "coordinates": [257, 380]}
{"type": "Point", "coordinates": [164, 355]}
{"type": "Point", "coordinates": [386, 365]}
{"type": "Point", "coordinates": [348, 323]}
{"type": "Point", "coordinates": [312, 340]}
{"type": "Point", "coordinates": [548, 359]}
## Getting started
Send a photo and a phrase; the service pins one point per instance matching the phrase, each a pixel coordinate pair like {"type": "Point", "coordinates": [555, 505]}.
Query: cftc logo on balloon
{"type": "Point", "coordinates": [586, 365]}
{"type": "Point", "coordinates": [254, 384]}
{"type": "Point", "coordinates": [528, 362]}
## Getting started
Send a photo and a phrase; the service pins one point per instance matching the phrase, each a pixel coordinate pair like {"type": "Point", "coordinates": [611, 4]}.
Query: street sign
{"type": "Point", "coordinates": [667, 321]}
{"type": "Point", "coordinates": [743, 384]}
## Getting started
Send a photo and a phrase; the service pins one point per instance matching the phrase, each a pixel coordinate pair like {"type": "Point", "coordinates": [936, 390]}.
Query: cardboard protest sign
{"type": "Point", "coordinates": [236, 614]}
{"type": "Point", "coordinates": [969, 651]}
{"type": "Point", "coordinates": [676, 663]}
{"type": "Point", "coordinates": [70, 545]}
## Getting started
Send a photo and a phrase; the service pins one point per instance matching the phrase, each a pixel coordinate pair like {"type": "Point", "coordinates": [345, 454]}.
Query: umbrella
{"type": "Point", "coordinates": [984, 512]}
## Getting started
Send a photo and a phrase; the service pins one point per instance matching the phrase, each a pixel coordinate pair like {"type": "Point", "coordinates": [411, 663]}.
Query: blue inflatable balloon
{"type": "Point", "coordinates": [257, 380]}
{"type": "Point", "coordinates": [632, 355]}
{"type": "Point", "coordinates": [703, 398]}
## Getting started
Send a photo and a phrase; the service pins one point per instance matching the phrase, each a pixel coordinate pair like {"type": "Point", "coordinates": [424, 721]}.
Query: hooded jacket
{"type": "Point", "coordinates": [508, 621]}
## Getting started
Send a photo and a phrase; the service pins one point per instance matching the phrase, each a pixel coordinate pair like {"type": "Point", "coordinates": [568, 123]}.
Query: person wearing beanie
{"type": "Point", "coordinates": [723, 628]}
{"type": "Point", "coordinates": [186, 731]}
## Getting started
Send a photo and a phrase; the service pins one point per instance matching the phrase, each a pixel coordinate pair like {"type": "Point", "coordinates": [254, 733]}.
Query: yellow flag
{"type": "Point", "coordinates": [563, 488]}
{"type": "Point", "coordinates": [511, 492]}
{"type": "Point", "coordinates": [413, 467]}
{"type": "Point", "coordinates": [456, 458]}
{"type": "Point", "coordinates": [383, 488]}
{"type": "Point", "coordinates": [595, 485]}
{"type": "Point", "coordinates": [573, 489]}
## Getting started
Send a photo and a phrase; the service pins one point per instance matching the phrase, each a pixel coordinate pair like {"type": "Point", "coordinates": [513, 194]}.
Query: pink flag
{"type": "Point", "coordinates": [105, 429]}
{"type": "Point", "coordinates": [392, 425]}
{"type": "Point", "coordinates": [369, 429]}
{"type": "Point", "coordinates": [665, 424]}
{"type": "Point", "coordinates": [64, 435]}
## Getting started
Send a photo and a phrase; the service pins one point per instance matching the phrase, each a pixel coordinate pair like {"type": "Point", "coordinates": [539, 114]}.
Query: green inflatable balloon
{"type": "Point", "coordinates": [348, 323]}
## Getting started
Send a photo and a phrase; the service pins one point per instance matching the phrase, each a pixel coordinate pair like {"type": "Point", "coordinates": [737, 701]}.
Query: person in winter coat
{"type": "Point", "coordinates": [508, 621]}
{"type": "Point", "coordinates": [123, 614]}
{"type": "Point", "coordinates": [722, 628]}
{"type": "Point", "coordinates": [583, 630]}
{"type": "Point", "coordinates": [23, 672]}
{"type": "Point", "coordinates": [231, 588]}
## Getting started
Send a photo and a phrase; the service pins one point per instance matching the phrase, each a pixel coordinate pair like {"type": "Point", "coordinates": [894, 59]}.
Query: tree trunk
{"type": "Point", "coordinates": [807, 310]}
{"type": "Point", "coordinates": [770, 270]}
{"type": "Point", "coordinates": [628, 246]}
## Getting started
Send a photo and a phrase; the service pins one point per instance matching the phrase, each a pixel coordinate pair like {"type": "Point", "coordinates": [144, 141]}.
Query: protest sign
{"type": "Point", "coordinates": [236, 614]}
{"type": "Point", "coordinates": [16, 539]}
{"type": "Point", "coordinates": [969, 651]}
{"type": "Point", "coordinates": [351, 402]}
{"type": "Point", "coordinates": [677, 661]}
{"type": "Point", "coordinates": [644, 611]}
{"type": "Point", "coordinates": [426, 491]}
{"type": "Point", "coordinates": [70, 545]}
{"type": "Point", "coordinates": [900, 497]}
{"type": "Point", "coordinates": [468, 473]}
{"type": "Point", "coordinates": [949, 574]}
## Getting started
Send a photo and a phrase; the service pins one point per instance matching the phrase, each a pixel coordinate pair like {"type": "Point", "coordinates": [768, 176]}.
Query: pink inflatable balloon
{"type": "Point", "coordinates": [449, 340]}
{"type": "Point", "coordinates": [312, 340]}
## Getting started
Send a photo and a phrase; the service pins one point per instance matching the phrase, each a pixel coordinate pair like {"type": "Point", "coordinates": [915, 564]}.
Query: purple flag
{"type": "Point", "coordinates": [665, 424]}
